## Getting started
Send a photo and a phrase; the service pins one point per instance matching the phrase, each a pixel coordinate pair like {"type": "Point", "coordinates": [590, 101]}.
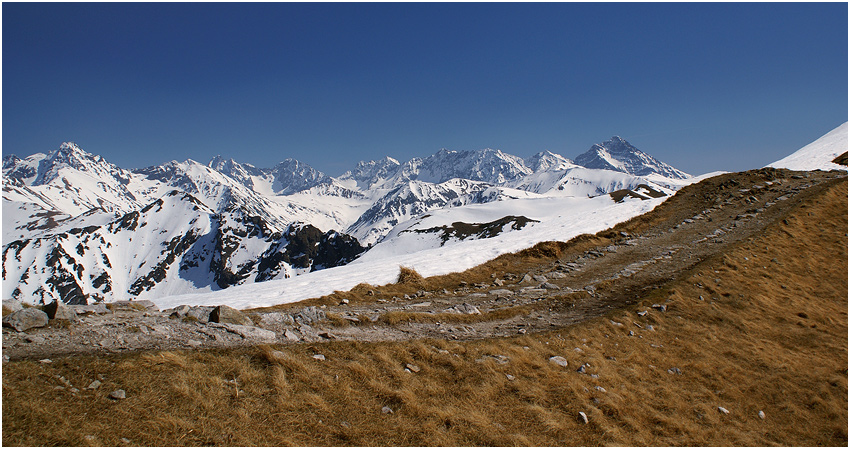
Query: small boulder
{"type": "Point", "coordinates": [761, 414]}
{"type": "Point", "coordinates": [583, 417]}
{"type": "Point", "coordinates": [526, 279]}
{"type": "Point", "coordinates": [558, 360]}
{"type": "Point", "coordinates": [89, 309]}
{"type": "Point", "coordinates": [94, 385]}
{"type": "Point", "coordinates": [180, 311]}
{"type": "Point", "coordinates": [229, 315]}
{"type": "Point", "coordinates": [413, 368]}
{"type": "Point", "coordinates": [291, 335]}
{"type": "Point", "coordinates": [57, 310]}
{"type": "Point", "coordinates": [723, 410]}
{"type": "Point", "coordinates": [26, 319]}
{"type": "Point", "coordinates": [319, 357]}
{"type": "Point", "coordinates": [386, 410]}
{"type": "Point", "coordinates": [659, 307]}
{"type": "Point", "coordinates": [549, 286]}
{"type": "Point", "coordinates": [118, 395]}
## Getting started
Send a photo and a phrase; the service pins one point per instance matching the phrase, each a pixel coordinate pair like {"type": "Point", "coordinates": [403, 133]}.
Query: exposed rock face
{"type": "Point", "coordinates": [57, 310]}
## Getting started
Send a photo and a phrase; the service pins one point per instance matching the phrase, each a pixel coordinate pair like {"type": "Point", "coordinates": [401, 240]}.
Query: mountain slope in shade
{"type": "Point", "coordinates": [818, 155]}
{"type": "Point", "coordinates": [619, 155]}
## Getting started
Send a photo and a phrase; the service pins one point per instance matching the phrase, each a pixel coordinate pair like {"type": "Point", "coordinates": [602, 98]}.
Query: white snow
{"type": "Point", "coordinates": [561, 219]}
{"type": "Point", "coordinates": [819, 154]}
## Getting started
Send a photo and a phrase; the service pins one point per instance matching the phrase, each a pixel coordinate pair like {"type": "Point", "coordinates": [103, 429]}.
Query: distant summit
{"type": "Point", "coordinates": [619, 155]}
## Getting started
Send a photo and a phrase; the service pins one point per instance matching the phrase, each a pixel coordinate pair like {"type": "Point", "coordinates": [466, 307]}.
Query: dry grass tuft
{"type": "Point", "coordinates": [409, 276]}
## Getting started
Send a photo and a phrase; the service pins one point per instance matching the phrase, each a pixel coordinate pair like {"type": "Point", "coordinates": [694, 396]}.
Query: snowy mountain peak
{"type": "Point", "coordinates": [619, 155]}
{"type": "Point", "coordinates": [369, 174]}
{"type": "Point", "coordinates": [547, 160]}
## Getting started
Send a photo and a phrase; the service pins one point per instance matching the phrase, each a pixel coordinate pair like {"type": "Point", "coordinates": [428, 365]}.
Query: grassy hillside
{"type": "Point", "coordinates": [762, 327]}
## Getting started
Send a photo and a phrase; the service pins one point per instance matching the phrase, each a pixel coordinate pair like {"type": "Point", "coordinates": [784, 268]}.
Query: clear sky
{"type": "Point", "coordinates": [717, 86]}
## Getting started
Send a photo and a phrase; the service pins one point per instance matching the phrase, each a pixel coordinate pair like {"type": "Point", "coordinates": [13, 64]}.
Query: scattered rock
{"type": "Point", "coordinates": [229, 315]}
{"type": "Point", "coordinates": [125, 440]}
{"type": "Point", "coordinates": [413, 368]}
{"type": "Point", "coordinates": [510, 377]}
{"type": "Point", "coordinates": [276, 318]}
{"type": "Point", "coordinates": [180, 311]}
{"type": "Point", "coordinates": [549, 286]}
{"type": "Point", "coordinates": [252, 333]}
{"type": "Point", "coordinates": [94, 385]}
{"type": "Point", "coordinates": [723, 410]}
{"type": "Point", "coordinates": [501, 292]}
{"type": "Point", "coordinates": [660, 307]}
{"type": "Point", "coordinates": [319, 357]}
{"type": "Point", "coordinates": [290, 334]}
{"type": "Point", "coordinates": [583, 417]}
{"type": "Point", "coordinates": [540, 278]}
{"type": "Point", "coordinates": [193, 343]}
{"type": "Point", "coordinates": [327, 335]}
{"type": "Point", "coordinates": [90, 309]}
{"type": "Point", "coordinates": [202, 314]}
{"type": "Point", "coordinates": [12, 305]}
{"type": "Point", "coordinates": [310, 315]}
{"type": "Point", "coordinates": [57, 310]}
{"type": "Point", "coordinates": [558, 360]}
{"type": "Point", "coordinates": [26, 319]}
{"type": "Point", "coordinates": [581, 370]}
{"type": "Point", "coordinates": [522, 331]}
{"type": "Point", "coordinates": [45, 361]}
{"type": "Point", "coordinates": [118, 395]}
{"type": "Point", "coordinates": [526, 279]}
{"type": "Point", "coordinates": [761, 414]}
{"type": "Point", "coordinates": [386, 410]}
{"type": "Point", "coordinates": [600, 389]}
{"type": "Point", "coordinates": [467, 309]}
{"type": "Point", "coordinates": [498, 282]}
{"type": "Point", "coordinates": [34, 339]}
{"type": "Point", "coordinates": [642, 313]}
{"type": "Point", "coordinates": [675, 370]}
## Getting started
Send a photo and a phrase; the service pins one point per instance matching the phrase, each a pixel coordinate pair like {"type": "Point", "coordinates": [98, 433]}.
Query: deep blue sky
{"type": "Point", "coordinates": [701, 86]}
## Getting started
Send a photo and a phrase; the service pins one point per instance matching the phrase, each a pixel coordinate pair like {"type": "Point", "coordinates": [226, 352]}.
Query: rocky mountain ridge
{"type": "Point", "coordinates": [225, 223]}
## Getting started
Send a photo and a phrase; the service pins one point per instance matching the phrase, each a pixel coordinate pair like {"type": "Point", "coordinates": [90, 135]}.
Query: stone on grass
{"type": "Point", "coordinates": [722, 410]}
{"type": "Point", "coordinates": [583, 417]}
{"type": "Point", "coordinates": [291, 335]}
{"type": "Point", "coordinates": [467, 309]}
{"type": "Point", "coordinates": [386, 410]}
{"type": "Point", "coordinates": [319, 357]}
{"type": "Point", "coordinates": [761, 414]}
{"type": "Point", "coordinates": [118, 394]}
{"type": "Point", "coordinates": [661, 307]}
{"type": "Point", "coordinates": [26, 319]}
{"type": "Point", "coordinates": [229, 315]}
{"type": "Point", "coordinates": [558, 360]}
{"type": "Point", "coordinates": [94, 385]}
{"type": "Point", "coordinates": [413, 368]}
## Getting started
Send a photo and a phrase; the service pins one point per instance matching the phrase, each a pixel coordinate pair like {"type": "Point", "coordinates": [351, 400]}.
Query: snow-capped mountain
{"type": "Point", "coordinates": [78, 228]}
{"type": "Point", "coordinates": [174, 245]}
{"type": "Point", "coordinates": [547, 160]}
{"type": "Point", "coordinates": [820, 154]}
{"type": "Point", "coordinates": [618, 155]}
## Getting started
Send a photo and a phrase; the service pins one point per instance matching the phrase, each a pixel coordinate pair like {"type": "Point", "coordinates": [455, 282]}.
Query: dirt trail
{"type": "Point", "coordinates": [587, 279]}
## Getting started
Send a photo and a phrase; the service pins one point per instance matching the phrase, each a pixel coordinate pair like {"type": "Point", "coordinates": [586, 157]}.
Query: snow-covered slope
{"type": "Point", "coordinates": [174, 245]}
{"type": "Point", "coordinates": [184, 227]}
{"type": "Point", "coordinates": [819, 154]}
{"type": "Point", "coordinates": [560, 219]}
{"type": "Point", "coordinates": [618, 155]}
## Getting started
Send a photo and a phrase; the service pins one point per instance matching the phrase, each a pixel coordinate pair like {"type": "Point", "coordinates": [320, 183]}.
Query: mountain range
{"type": "Point", "coordinates": [79, 229]}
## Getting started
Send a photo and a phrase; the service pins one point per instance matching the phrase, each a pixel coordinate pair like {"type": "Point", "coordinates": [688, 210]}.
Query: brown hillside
{"type": "Point", "coordinates": [758, 326]}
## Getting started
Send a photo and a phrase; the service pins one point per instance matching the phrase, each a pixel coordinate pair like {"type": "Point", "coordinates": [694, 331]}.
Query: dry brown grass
{"type": "Point", "coordinates": [769, 334]}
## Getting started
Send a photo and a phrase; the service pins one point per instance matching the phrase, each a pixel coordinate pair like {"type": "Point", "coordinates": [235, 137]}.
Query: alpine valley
{"type": "Point", "coordinates": [79, 229]}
